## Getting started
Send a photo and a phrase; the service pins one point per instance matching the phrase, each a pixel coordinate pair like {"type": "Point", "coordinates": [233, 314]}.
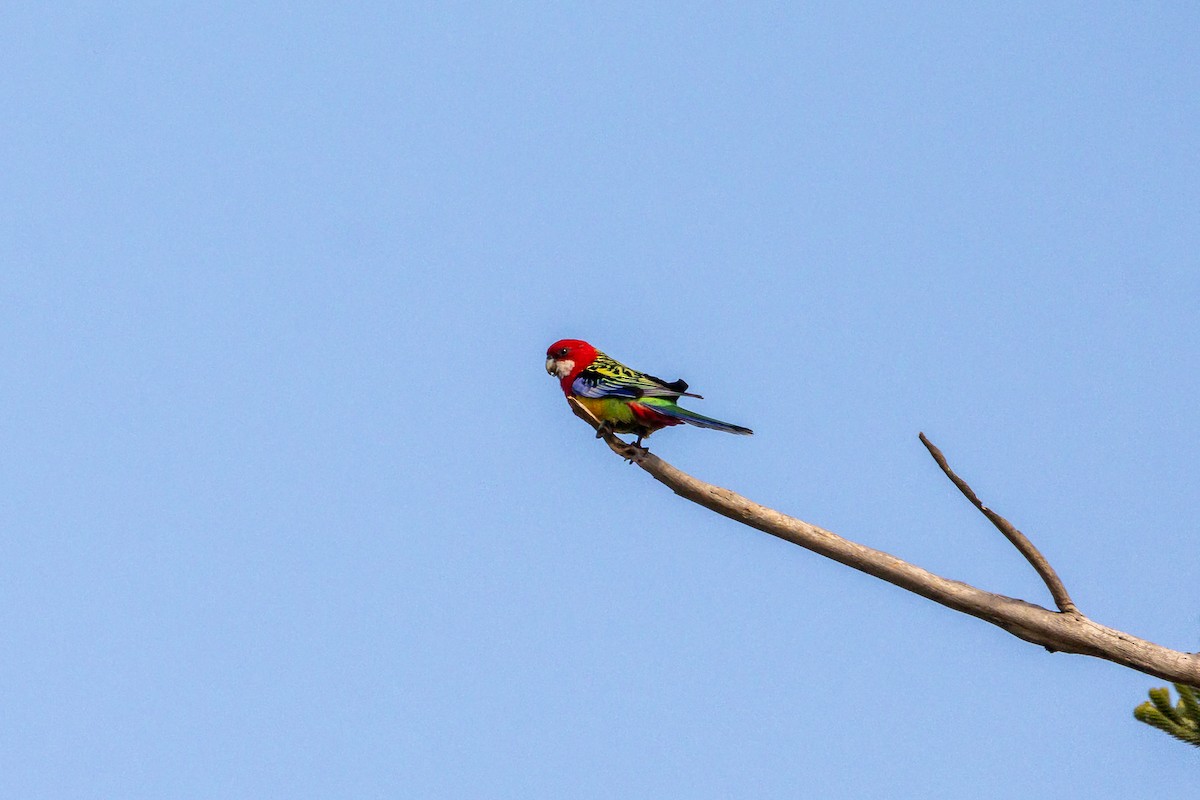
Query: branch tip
{"type": "Point", "coordinates": [1019, 540]}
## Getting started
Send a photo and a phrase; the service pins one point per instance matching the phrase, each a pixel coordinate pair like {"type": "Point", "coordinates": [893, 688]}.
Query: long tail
{"type": "Point", "coordinates": [699, 420]}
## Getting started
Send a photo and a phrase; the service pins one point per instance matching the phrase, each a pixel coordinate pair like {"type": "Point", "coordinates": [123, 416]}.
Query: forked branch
{"type": "Point", "coordinates": [1066, 630]}
{"type": "Point", "coordinates": [1018, 539]}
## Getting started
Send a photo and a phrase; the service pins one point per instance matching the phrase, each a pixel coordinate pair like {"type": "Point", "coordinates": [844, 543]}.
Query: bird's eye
{"type": "Point", "coordinates": [562, 352]}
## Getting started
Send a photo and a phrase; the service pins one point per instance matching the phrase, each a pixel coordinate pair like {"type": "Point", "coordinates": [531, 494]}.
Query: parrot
{"type": "Point", "coordinates": [623, 400]}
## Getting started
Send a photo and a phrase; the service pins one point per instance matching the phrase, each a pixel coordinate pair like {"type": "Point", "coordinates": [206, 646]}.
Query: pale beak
{"type": "Point", "coordinates": [551, 366]}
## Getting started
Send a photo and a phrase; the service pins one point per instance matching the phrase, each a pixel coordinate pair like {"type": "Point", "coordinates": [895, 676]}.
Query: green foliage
{"type": "Point", "coordinates": [1181, 720]}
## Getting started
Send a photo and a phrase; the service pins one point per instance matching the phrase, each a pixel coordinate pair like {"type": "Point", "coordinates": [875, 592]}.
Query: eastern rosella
{"type": "Point", "coordinates": [623, 400]}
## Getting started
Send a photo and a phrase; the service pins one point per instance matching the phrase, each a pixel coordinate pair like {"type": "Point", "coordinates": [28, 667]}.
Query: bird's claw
{"type": "Point", "coordinates": [633, 453]}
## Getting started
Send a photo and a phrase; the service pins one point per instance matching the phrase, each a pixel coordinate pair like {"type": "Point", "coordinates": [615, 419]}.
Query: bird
{"type": "Point", "coordinates": [621, 399]}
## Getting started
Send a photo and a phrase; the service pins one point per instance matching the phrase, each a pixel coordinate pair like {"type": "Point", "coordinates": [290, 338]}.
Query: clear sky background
{"type": "Point", "coordinates": [291, 509]}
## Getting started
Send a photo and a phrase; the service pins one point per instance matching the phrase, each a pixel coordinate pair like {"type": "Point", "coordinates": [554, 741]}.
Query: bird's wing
{"type": "Point", "coordinates": [605, 377]}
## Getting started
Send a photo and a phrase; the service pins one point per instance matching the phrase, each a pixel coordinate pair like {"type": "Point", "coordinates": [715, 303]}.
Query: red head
{"type": "Point", "coordinates": [566, 358]}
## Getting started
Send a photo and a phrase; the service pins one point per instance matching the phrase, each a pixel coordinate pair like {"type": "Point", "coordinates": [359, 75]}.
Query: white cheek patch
{"type": "Point", "coordinates": [563, 368]}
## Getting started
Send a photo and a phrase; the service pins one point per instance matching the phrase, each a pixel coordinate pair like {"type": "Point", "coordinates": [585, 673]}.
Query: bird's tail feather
{"type": "Point", "coordinates": [701, 421]}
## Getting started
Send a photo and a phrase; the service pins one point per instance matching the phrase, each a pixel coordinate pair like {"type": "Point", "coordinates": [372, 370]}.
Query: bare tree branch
{"type": "Point", "coordinates": [1066, 631]}
{"type": "Point", "coordinates": [1057, 590]}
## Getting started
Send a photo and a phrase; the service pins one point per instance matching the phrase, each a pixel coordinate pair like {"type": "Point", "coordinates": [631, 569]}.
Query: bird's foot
{"type": "Point", "coordinates": [634, 453]}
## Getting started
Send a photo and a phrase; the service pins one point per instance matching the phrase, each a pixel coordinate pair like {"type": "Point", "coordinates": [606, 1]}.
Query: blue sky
{"type": "Point", "coordinates": [291, 509]}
